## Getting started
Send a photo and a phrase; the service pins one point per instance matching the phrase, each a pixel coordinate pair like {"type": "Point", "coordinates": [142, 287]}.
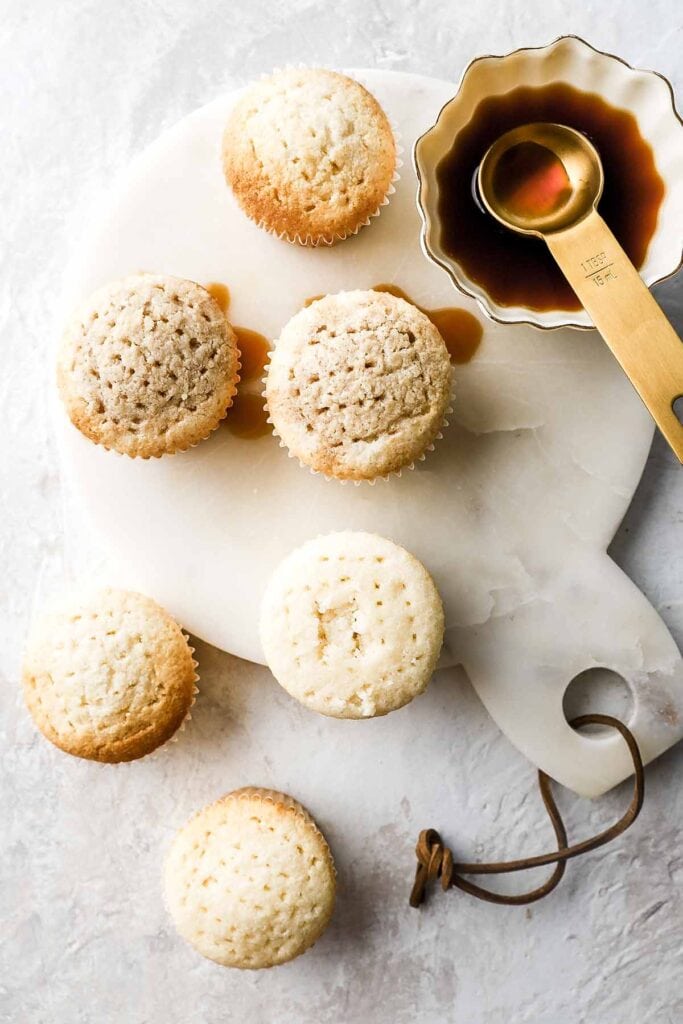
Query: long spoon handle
{"type": "Point", "coordinates": [623, 310]}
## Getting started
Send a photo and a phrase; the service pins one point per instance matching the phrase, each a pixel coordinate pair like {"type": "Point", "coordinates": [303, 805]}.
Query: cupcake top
{"type": "Point", "coordinates": [359, 385]}
{"type": "Point", "coordinates": [250, 881]}
{"type": "Point", "coordinates": [352, 625]}
{"type": "Point", "coordinates": [109, 677]}
{"type": "Point", "coordinates": [148, 366]}
{"type": "Point", "coordinates": [309, 154]}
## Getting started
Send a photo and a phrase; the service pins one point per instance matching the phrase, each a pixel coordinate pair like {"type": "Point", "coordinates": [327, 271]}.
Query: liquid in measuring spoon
{"type": "Point", "coordinates": [530, 181]}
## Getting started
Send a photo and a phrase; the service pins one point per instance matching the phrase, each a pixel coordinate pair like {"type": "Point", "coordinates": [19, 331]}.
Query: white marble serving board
{"type": "Point", "coordinates": [512, 513]}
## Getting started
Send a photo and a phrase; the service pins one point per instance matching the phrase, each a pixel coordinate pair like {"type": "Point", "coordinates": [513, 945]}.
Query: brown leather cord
{"type": "Point", "coordinates": [434, 860]}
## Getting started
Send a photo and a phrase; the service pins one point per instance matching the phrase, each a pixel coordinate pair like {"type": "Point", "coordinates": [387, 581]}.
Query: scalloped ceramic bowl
{"type": "Point", "coordinates": [569, 59]}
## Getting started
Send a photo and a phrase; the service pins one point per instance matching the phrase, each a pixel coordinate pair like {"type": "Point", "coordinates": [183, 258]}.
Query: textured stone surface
{"type": "Point", "coordinates": [84, 937]}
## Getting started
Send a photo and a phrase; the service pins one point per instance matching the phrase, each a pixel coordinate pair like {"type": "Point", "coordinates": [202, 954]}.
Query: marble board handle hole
{"type": "Point", "coordinates": [677, 406]}
{"type": "Point", "coordinates": [598, 690]}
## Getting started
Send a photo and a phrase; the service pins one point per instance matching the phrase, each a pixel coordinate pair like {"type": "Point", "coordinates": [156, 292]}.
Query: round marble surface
{"type": "Point", "coordinates": [84, 933]}
{"type": "Point", "coordinates": [511, 513]}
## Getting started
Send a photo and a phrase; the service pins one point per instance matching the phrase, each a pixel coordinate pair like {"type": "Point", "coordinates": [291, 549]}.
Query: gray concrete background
{"type": "Point", "coordinates": [84, 938]}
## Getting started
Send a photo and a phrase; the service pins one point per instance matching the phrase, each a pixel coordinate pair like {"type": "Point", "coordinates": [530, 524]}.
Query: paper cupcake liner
{"type": "Point", "coordinates": [274, 796]}
{"type": "Point", "coordinates": [188, 716]}
{"type": "Point", "coordinates": [313, 241]}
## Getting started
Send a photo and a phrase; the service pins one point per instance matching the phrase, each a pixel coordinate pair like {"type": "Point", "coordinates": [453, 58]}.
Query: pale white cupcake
{"type": "Point", "coordinates": [352, 625]}
{"type": "Point", "coordinates": [250, 881]}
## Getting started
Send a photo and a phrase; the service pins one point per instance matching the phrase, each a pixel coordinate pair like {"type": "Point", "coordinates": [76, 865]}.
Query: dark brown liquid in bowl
{"type": "Point", "coordinates": [519, 271]}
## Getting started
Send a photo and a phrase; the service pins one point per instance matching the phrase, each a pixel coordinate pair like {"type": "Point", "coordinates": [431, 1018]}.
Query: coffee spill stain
{"type": "Point", "coordinates": [247, 417]}
{"type": "Point", "coordinates": [254, 348]}
{"type": "Point", "coordinates": [461, 331]}
{"type": "Point", "coordinates": [220, 293]}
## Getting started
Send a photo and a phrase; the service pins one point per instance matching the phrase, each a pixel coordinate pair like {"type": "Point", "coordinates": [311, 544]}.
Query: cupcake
{"type": "Point", "coordinates": [148, 366]}
{"type": "Point", "coordinates": [358, 385]}
{"type": "Point", "coordinates": [352, 625]}
{"type": "Point", "coordinates": [309, 155]}
{"type": "Point", "coordinates": [249, 881]}
{"type": "Point", "coordinates": [109, 677]}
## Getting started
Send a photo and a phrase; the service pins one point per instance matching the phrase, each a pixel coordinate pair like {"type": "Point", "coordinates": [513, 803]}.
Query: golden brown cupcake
{"type": "Point", "coordinates": [109, 676]}
{"type": "Point", "coordinates": [309, 154]}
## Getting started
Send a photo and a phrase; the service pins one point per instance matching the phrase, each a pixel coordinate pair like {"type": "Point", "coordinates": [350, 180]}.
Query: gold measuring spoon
{"type": "Point", "coordinates": [545, 180]}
